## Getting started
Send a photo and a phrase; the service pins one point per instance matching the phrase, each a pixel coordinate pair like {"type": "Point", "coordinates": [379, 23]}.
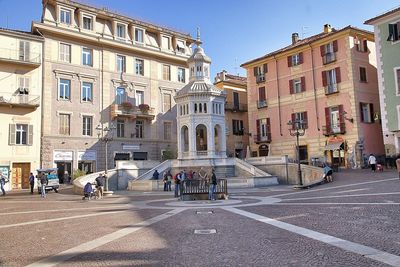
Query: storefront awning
{"type": "Point", "coordinates": [333, 146]}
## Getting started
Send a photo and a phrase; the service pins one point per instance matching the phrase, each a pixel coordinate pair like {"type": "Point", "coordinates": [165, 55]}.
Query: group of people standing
{"type": "Point", "coordinates": [206, 179]}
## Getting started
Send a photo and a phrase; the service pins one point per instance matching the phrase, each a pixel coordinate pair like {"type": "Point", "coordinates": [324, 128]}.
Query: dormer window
{"type": "Point", "coordinates": [165, 42]}
{"type": "Point", "coordinates": [180, 46]}
{"type": "Point", "coordinates": [138, 35]}
{"type": "Point", "coordinates": [87, 23]}
{"type": "Point", "coordinates": [121, 31]}
{"type": "Point", "coordinates": [65, 16]}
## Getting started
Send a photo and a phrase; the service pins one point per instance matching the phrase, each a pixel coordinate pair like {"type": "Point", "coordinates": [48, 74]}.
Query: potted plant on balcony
{"type": "Point", "coordinates": [144, 108]}
{"type": "Point", "coordinates": [127, 105]}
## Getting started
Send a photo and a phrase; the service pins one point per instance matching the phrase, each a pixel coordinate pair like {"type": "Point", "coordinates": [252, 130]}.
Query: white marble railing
{"type": "Point", "coordinates": [162, 167]}
{"type": "Point", "coordinates": [250, 168]}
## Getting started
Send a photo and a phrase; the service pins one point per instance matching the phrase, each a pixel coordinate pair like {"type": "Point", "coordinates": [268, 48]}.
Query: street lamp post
{"type": "Point", "coordinates": [105, 134]}
{"type": "Point", "coordinates": [297, 128]}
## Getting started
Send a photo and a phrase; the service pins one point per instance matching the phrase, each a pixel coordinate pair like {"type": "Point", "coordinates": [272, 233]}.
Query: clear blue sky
{"type": "Point", "coordinates": [232, 31]}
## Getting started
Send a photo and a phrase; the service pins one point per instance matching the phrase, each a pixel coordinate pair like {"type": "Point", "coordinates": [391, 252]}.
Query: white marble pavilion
{"type": "Point", "coordinates": [200, 112]}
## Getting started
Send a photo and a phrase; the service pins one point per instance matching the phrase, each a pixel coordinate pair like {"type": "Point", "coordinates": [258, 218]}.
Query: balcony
{"type": "Point", "coordinates": [331, 88]}
{"type": "Point", "coordinates": [235, 107]}
{"type": "Point", "coordinates": [14, 56]}
{"type": "Point", "coordinates": [262, 103]}
{"type": "Point", "coordinates": [329, 58]}
{"type": "Point", "coordinates": [260, 78]}
{"type": "Point", "coordinates": [133, 112]}
{"type": "Point", "coordinates": [262, 139]}
{"type": "Point", "coordinates": [339, 128]}
{"type": "Point", "coordinates": [22, 100]}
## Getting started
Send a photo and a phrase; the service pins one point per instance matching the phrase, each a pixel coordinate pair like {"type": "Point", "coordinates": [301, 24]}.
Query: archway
{"type": "Point", "coordinates": [201, 137]}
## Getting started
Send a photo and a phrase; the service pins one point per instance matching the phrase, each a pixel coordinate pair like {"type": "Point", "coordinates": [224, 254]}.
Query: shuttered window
{"type": "Point", "coordinates": [65, 52]}
{"type": "Point", "coordinates": [24, 50]}
{"type": "Point", "coordinates": [167, 102]}
{"type": "Point", "coordinates": [167, 130]}
{"type": "Point", "coordinates": [64, 124]}
{"type": "Point", "coordinates": [20, 134]}
{"type": "Point", "coordinates": [398, 81]}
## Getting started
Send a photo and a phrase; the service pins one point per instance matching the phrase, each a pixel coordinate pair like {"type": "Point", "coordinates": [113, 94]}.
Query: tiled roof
{"type": "Point", "coordinates": [304, 42]}
{"type": "Point", "coordinates": [235, 79]}
{"type": "Point", "coordinates": [394, 10]}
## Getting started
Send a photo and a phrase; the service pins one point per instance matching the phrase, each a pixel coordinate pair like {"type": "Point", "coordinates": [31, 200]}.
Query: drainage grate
{"type": "Point", "coordinates": [205, 232]}
{"type": "Point", "coordinates": [204, 212]}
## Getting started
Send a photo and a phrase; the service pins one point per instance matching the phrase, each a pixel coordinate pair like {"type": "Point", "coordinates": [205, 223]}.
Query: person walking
{"type": "Point", "coordinates": [213, 186]}
{"type": "Point", "coordinates": [398, 164]}
{"type": "Point", "coordinates": [31, 182]}
{"type": "Point", "coordinates": [165, 181]}
{"type": "Point", "coordinates": [43, 183]}
{"type": "Point", "coordinates": [372, 162]}
{"type": "Point", "coordinates": [3, 181]}
{"type": "Point", "coordinates": [169, 180]}
{"type": "Point", "coordinates": [100, 185]}
{"type": "Point", "coordinates": [177, 184]}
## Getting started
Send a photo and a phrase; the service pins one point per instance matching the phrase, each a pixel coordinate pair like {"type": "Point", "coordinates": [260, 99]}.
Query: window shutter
{"type": "Point", "coordinates": [255, 71]}
{"type": "Point", "coordinates": [365, 42]}
{"type": "Point", "coordinates": [301, 57]}
{"type": "Point", "coordinates": [324, 79]}
{"type": "Point", "coordinates": [289, 61]}
{"type": "Point", "coordinates": [335, 46]}
{"type": "Point", "coordinates": [371, 111]}
{"type": "Point", "coordinates": [322, 48]}
{"type": "Point", "coordinates": [338, 76]}
{"type": "Point", "coordinates": [269, 129]}
{"type": "Point", "coordinates": [27, 50]}
{"type": "Point", "coordinates": [30, 135]}
{"type": "Point", "coordinates": [361, 112]}
{"type": "Point", "coordinates": [258, 127]}
{"type": "Point", "coordinates": [293, 119]}
{"type": "Point", "coordinates": [391, 32]}
{"type": "Point", "coordinates": [305, 119]}
{"type": "Point", "coordinates": [328, 119]}
{"type": "Point", "coordinates": [261, 93]}
{"type": "Point", "coordinates": [21, 50]}
{"type": "Point", "coordinates": [341, 115]}
{"type": "Point", "coordinates": [265, 68]}
{"type": "Point", "coordinates": [303, 84]}
{"type": "Point", "coordinates": [291, 87]}
{"type": "Point", "coordinates": [11, 139]}
{"type": "Point", "coordinates": [233, 127]}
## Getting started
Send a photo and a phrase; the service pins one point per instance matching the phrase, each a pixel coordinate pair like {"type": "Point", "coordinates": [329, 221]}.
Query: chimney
{"type": "Point", "coordinates": [327, 28]}
{"type": "Point", "coordinates": [295, 38]}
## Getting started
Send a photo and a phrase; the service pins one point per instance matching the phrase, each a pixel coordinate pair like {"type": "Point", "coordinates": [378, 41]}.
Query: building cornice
{"type": "Point", "coordinates": [99, 41]}
{"type": "Point", "coordinates": [21, 35]}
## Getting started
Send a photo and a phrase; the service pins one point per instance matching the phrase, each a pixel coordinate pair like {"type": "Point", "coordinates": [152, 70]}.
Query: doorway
{"type": "Point", "coordinates": [20, 175]}
{"type": "Point", "coordinates": [62, 167]}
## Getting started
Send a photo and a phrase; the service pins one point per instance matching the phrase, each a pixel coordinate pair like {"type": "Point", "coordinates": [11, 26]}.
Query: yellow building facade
{"type": "Point", "coordinates": [20, 105]}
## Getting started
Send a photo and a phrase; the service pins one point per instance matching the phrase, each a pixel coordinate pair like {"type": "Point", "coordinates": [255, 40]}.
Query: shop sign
{"type": "Point", "coordinates": [131, 147]}
{"type": "Point", "coordinates": [88, 155]}
{"type": "Point", "coordinates": [62, 155]}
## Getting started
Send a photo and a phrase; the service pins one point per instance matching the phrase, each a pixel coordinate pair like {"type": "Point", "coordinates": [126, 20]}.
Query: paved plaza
{"type": "Point", "coordinates": [354, 221]}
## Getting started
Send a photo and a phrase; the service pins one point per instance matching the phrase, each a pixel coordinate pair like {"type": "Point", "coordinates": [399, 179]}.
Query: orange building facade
{"type": "Point", "coordinates": [236, 120]}
{"type": "Point", "coordinates": [329, 81]}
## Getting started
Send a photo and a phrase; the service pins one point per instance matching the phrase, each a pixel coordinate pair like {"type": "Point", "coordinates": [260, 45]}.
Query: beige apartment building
{"type": "Point", "coordinates": [20, 105]}
{"type": "Point", "coordinates": [236, 120]}
{"type": "Point", "coordinates": [103, 70]}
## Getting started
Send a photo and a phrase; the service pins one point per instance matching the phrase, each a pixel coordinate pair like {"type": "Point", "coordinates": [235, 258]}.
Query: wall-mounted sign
{"type": "Point", "coordinates": [62, 155]}
{"type": "Point", "coordinates": [5, 170]}
{"type": "Point", "coordinates": [131, 147]}
{"type": "Point", "coordinates": [89, 155]}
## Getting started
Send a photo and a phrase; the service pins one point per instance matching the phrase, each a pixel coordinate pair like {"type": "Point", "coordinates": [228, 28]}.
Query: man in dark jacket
{"type": "Point", "coordinates": [31, 181]}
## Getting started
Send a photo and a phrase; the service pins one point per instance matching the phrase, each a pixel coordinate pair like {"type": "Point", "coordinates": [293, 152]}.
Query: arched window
{"type": "Point", "coordinates": [180, 108]}
{"type": "Point", "coordinates": [205, 107]}
{"type": "Point", "coordinates": [195, 107]}
{"type": "Point", "coordinates": [200, 108]}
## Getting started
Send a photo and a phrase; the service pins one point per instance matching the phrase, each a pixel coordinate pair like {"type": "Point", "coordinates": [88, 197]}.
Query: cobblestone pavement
{"type": "Point", "coordinates": [354, 221]}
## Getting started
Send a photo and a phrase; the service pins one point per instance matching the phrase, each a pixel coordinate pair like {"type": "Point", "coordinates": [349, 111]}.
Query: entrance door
{"type": "Point", "coordinates": [20, 175]}
{"type": "Point", "coordinates": [62, 167]}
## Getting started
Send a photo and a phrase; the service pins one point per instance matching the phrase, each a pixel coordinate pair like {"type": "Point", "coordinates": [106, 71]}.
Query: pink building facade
{"type": "Point", "coordinates": [329, 82]}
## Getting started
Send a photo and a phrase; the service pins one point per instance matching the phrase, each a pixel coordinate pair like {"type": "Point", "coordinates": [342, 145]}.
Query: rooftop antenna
{"type": "Point", "coordinates": [198, 41]}
{"type": "Point", "coordinates": [303, 31]}
{"type": "Point", "coordinates": [236, 68]}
